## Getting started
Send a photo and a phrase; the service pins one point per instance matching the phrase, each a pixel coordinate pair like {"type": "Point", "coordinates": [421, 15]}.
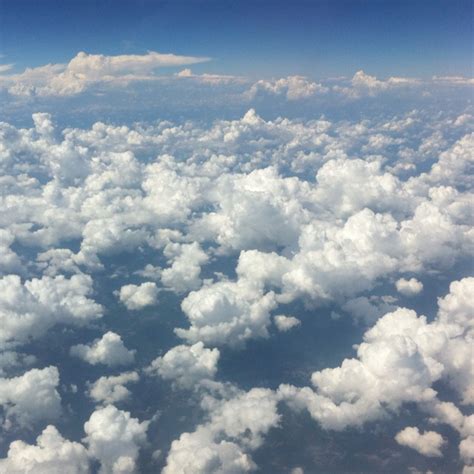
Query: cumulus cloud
{"type": "Point", "coordinates": [291, 87]}
{"type": "Point", "coordinates": [409, 287]}
{"type": "Point", "coordinates": [186, 366]}
{"type": "Point", "coordinates": [186, 261]}
{"type": "Point", "coordinates": [276, 205]}
{"type": "Point", "coordinates": [414, 352]}
{"type": "Point", "coordinates": [226, 313]}
{"type": "Point", "coordinates": [428, 443]}
{"type": "Point", "coordinates": [109, 350]}
{"type": "Point", "coordinates": [285, 323]}
{"type": "Point", "coordinates": [237, 425]}
{"type": "Point", "coordinates": [52, 454]}
{"type": "Point", "coordinates": [363, 84]}
{"type": "Point", "coordinates": [85, 70]}
{"type": "Point", "coordinates": [114, 438]}
{"type": "Point", "coordinates": [30, 308]}
{"type": "Point", "coordinates": [136, 297]}
{"type": "Point", "coordinates": [111, 390]}
{"type": "Point", "coordinates": [31, 397]}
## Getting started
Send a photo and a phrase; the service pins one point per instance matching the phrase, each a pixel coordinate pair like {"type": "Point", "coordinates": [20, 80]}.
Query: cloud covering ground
{"type": "Point", "coordinates": [159, 280]}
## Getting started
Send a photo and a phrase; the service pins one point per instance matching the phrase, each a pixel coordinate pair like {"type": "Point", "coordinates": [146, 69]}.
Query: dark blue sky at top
{"type": "Point", "coordinates": [320, 38]}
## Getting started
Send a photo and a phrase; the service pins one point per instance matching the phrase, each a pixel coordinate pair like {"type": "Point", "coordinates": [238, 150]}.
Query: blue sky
{"type": "Point", "coordinates": [254, 38]}
{"type": "Point", "coordinates": [252, 253]}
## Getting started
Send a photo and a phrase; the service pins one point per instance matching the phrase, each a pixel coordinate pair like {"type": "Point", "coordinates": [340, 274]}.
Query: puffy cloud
{"type": "Point", "coordinates": [187, 366]}
{"type": "Point", "coordinates": [109, 350]}
{"type": "Point", "coordinates": [250, 206]}
{"type": "Point", "coordinates": [226, 313]}
{"type": "Point", "coordinates": [466, 449]}
{"type": "Point", "coordinates": [110, 390]}
{"type": "Point", "coordinates": [285, 323]}
{"type": "Point", "coordinates": [85, 70]}
{"type": "Point", "coordinates": [455, 164]}
{"type": "Point", "coordinates": [199, 453]}
{"type": "Point", "coordinates": [183, 274]}
{"type": "Point", "coordinates": [428, 443]}
{"type": "Point", "coordinates": [292, 87]}
{"type": "Point", "coordinates": [363, 84]}
{"type": "Point", "coordinates": [31, 397]}
{"type": "Point", "coordinates": [415, 354]}
{"type": "Point", "coordinates": [136, 297]}
{"type": "Point", "coordinates": [409, 287]}
{"type": "Point", "coordinates": [237, 424]}
{"type": "Point", "coordinates": [29, 309]}
{"type": "Point", "coordinates": [52, 454]}
{"type": "Point", "coordinates": [114, 438]}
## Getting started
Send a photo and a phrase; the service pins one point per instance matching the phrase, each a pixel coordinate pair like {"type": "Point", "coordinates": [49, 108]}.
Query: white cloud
{"type": "Point", "coordinates": [454, 80]}
{"type": "Point", "coordinates": [186, 260]}
{"type": "Point", "coordinates": [226, 313]}
{"type": "Point", "coordinates": [200, 453]}
{"type": "Point", "coordinates": [136, 297]}
{"type": "Point", "coordinates": [414, 352]}
{"type": "Point", "coordinates": [428, 443]}
{"type": "Point", "coordinates": [208, 78]}
{"type": "Point", "coordinates": [29, 309]}
{"type": "Point", "coordinates": [292, 87]}
{"type": "Point", "coordinates": [466, 449]}
{"type": "Point", "coordinates": [109, 350]}
{"type": "Point", "coordinates": [237, 425]}
{"type": "Point", "coordinates": [285, 323]}
{"type": "Point", "coordinates": [187, 366]}
{"type": "Point", "coordinates": [85, 70]}
{"type": "Point", "coordinates": [114, 438]}
{"type": "Point", "coordinates": [9, 261]}
{"type": "Point", "coordinates": [409, 287]}
{"type": "Point", "coordinates": [363, 84]}
{"type": "Point", "coordinates": [52, 454]}
{"type": "Point", "coordinates": [31, 397]}
{"type": "Point", "coordinates": [110, 390]}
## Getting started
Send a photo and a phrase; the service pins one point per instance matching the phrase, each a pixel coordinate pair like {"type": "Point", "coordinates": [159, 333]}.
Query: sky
{"type": "Point", "coordinates": [266, 38]}
{"type": "Point", "coordinates": [236, 237]}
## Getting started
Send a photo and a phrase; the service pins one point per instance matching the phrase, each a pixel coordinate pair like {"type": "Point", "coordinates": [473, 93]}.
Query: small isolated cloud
{"type": "Point", "coordinates": [409, 287]}
{"type": "Point", "coordinates": [114, 439]}
{"type": "Point", "coordinates": [110, 390]}
{"type": "Point", "coordinates": [208, 78]}
{"type": "Point", "coordinates": [108, 350]}
{"type": "Point", "coordinates": [285, 323]}
{"type": "Point", "coordinates": [291, 87]}
{"type": "Point", "coordinates": [363, 85]}
{"type": "Point", "coordinates": [186, 366]}
{"type": "Point", "coordinates": [428, 443]}
{"type": "Point", "coordinates": [136, 297]}
{"type": "Point", "coordinates": [85, 70]}
{"type": "Point", "coordinates": [184, 273]}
